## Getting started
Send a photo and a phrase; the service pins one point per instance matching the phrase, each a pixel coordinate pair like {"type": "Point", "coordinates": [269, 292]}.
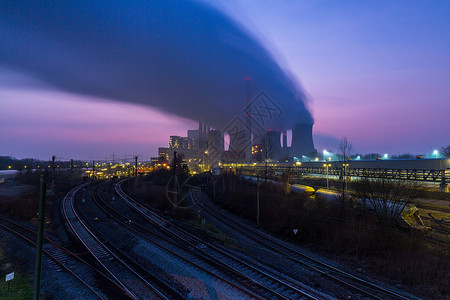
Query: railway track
{"type": "Point", "coordinates": [167, 244]}
{"type": "Point", "coordinates": [355, 283]}
{"type": "Point", "coordinates": [262, 281]}
{"type": "Point", "coordinates": [135, 285]}
{"type": "Point", "coordinates": [62, 259]}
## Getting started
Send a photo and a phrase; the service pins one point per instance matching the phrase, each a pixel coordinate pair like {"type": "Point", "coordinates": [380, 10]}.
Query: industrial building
{"type": "Point", "coordinates": [206, 147]}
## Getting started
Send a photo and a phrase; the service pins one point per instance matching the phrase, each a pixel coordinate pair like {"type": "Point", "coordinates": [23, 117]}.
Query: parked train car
{"type": "Point", "coordinates": [303, 190]}
{"type": "Point", "coordinates": [326, 197]}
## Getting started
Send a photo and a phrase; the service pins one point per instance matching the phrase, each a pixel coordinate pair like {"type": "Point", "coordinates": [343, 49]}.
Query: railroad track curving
{"type": "Point", "coordinates": [134, 284]}
{"type": "Point", "coordinates": [63, 260]}
{"type": "Point", "coordinates": [262, 281]}
{"type": "Point", "coordinates": [167, 244]}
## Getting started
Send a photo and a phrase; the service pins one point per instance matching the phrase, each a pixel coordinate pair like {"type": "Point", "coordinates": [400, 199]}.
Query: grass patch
{"type": "Point", "coordinates": [19, 288]}
{"type": "Point", "coordinates": [212, 231]}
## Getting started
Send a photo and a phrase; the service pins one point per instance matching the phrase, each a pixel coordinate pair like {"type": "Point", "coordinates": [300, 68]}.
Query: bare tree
{"type": "Point", "coordinates": [345, 149]}
{"type": "Point", "coordinates": [445, 151]}
{"type": "Point", "coordinates": [386, 197]}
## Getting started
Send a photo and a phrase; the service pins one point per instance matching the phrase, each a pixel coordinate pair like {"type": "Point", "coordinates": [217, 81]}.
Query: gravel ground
{"type": "Point", "coordinates": [199, 284]}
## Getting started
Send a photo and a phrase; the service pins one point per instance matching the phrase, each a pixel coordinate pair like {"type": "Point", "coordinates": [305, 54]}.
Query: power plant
{"type": "Point", "coordinates": [245, 138]}
{"type": "Point", "coordinates": [207, 146]}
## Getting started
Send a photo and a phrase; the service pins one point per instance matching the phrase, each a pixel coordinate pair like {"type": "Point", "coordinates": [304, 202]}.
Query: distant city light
{"type": "Point", "coordinates": [359, 157]}
{"type": "Point", "coordinates": [385, 156]}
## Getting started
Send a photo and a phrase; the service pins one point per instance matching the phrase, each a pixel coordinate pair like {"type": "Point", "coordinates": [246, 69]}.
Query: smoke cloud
{"type": "Point", "coordinates": [182, 57]}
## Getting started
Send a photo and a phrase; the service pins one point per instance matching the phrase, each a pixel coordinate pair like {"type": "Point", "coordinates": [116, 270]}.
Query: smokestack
{"type": "Point", "coordinates": [302, 141]}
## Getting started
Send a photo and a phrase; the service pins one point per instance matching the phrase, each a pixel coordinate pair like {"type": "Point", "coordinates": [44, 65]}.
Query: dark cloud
{"type": "Point", "coordinates": [181, 57]}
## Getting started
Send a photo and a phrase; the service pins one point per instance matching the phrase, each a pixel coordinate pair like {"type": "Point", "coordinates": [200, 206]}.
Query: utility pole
{"type": "Point", "coordinates": [71, 172]}
{"type": "Point", "coordinates": [53, 175]}
{"type": "Point", "coordinates": [93, 170]}
{"type": "Point", "coordinates": [38, 260]}
{"type": "Point", "coordinates": [135, 166]}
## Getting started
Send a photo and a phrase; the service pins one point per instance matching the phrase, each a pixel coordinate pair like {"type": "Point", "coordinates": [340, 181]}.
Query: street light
{"type": "Point", "coordinates": [326, 155]}
{"type": "Point", "coordinates": [345, 175]}
{"type": "Point", "coordinates": [436, 153]}
{"type": "Point", "coordinates": [326, 166]}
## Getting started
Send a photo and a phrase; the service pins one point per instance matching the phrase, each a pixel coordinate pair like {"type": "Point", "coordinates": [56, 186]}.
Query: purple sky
{"type": "Point", "coordinates": [376, 72]}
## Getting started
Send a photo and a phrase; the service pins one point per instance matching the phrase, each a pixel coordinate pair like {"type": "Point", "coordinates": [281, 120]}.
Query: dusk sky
{"type": "Point", "coordinates": [377, 72]}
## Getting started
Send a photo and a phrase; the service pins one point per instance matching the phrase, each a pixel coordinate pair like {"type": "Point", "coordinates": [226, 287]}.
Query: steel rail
{"type": "Point", "coordinates": [63, 250]}
{"type": "Point", "coordinates": [125, 223]}
{"type": "Point", "coordinates": [53, 257]}
{"type": "Point", "coordinates": [163, 221]}
{"type": "Point", "coordinates": [93, 244]}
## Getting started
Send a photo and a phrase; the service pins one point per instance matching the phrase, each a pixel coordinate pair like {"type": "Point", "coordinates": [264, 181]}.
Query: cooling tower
{"type": "Point", "coordinates": [302, 141]}
{"type": "Point", "coordinates": [272, 145]}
